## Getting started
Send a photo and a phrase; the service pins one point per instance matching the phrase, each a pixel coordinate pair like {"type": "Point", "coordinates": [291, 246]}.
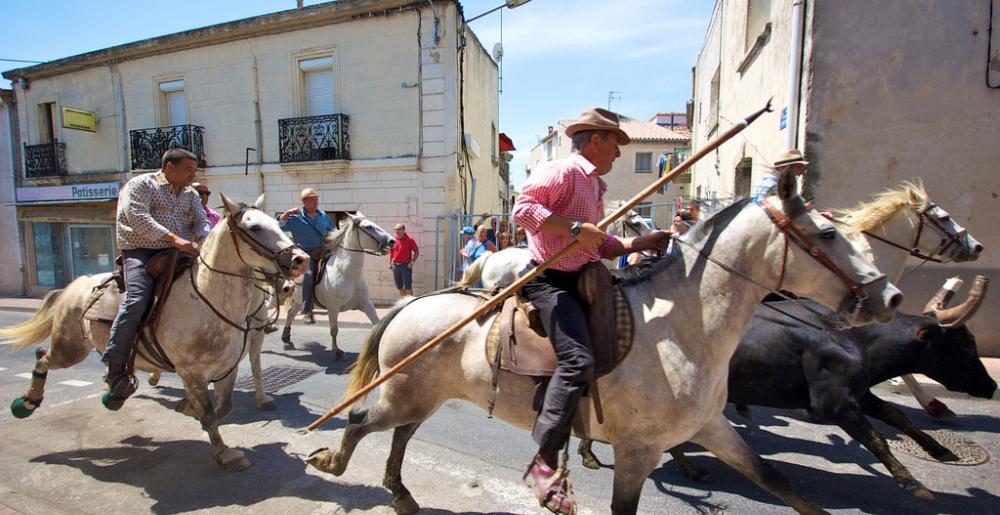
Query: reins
{"type": "Point", "coordinates": [947, 238]}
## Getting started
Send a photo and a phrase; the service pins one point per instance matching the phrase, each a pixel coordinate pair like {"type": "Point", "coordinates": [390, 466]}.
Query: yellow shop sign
{"type": "Point", "coordinates": [79, 119]}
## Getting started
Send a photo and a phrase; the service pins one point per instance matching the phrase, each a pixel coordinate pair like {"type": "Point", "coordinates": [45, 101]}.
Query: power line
{"type": "Point", "coordinates": [21, 61]}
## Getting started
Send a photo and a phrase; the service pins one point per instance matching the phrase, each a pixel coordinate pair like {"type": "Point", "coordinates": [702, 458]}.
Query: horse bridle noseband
{"type": "Point", "coordinates": [357, 240]}
{"type": "Point", "coordinates": [276, 257]}
{"type": "Point", "coordinates": [924, 218]}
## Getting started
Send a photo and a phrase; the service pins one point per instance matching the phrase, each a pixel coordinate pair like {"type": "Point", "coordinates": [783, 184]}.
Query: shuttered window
{"type": "Point", "coordinates": [318, 82]}
{"type": "Point", "coordinates": [173, 91]}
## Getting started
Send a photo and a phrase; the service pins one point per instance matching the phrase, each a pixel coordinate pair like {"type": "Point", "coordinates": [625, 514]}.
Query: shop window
{"type": "Point", "coordinates": [92, 249]}
{"type": "Point", "coordinates": [318, 85]}
{"type": "Point", "coordinates": [50, 255]}
{"type": "Point", "coordinates": [643, 162]}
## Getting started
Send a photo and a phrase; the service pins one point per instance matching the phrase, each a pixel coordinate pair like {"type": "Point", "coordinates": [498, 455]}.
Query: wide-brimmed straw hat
{"type": "Point", "coordinates": [308, 192]}
{"type": "Point", "coordinates": [790, 157]}
{"type": "Point", "coordinates": [598, 119]}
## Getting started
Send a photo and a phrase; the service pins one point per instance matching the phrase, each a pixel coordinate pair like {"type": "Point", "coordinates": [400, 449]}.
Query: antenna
{"type": "Point", "coordinates": [613, 95]}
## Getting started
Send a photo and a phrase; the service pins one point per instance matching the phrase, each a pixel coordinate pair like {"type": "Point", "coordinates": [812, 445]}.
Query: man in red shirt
{"type": "Point", "coordinates": [560, 203]}
{"type": "Point", "coordinates": [404, 254]}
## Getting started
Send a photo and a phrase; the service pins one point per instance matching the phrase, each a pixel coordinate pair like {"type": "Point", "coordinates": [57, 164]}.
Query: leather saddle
{"type": "Point", "coordinates": [517, 342]}
{"type": "Point", "coordinates": [165, 267]}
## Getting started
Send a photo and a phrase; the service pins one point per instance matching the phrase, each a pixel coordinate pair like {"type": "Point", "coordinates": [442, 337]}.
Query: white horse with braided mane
{"type": "Point", "coordinates": [343, 286]}
{"type": "Point", "coordinates": [689, 316]}
{"type": "Point", "coordinates": [218, 295]}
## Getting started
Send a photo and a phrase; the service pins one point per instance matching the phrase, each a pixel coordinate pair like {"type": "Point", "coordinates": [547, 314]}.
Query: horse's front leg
{"type": "Point", "coordinates": [200, 405]}
{"type": "Point", "coordinates": [332, 313]}
{"type": "Point", "coordinates": [368, 308]}
{"type": "Point", "coordinates": [634, 461]}
{"type": "Point", "coordinates": [293, 311]}
{"type": "Point", "coordinates": [719, 437]}
{"type": "Point", "coordinates": [264, 401]}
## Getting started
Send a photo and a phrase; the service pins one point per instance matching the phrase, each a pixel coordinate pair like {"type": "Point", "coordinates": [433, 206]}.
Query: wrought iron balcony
{"type": "Point", "coordinates": [148, 145]}
{"type": "Point", "coordinates": [45, 160]}
{"type": "Point", "coordinates": [314, 138]}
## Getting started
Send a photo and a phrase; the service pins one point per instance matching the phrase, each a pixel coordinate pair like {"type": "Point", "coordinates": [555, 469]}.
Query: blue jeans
{"type": "Point", "coordinates": [138, 295]}
{"type": "Point", "coordinates": [307, 286]}
{"type": "Point", "coordinates": [403, 276]}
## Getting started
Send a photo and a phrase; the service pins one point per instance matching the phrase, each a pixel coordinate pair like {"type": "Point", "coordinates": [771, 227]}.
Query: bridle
{"type": "Point", "coordinates": [282, 259]}
{"type": "Point", "coordinates": [792, 233]}
{"type": "Point", "coordinates": [948, 238]}
{"type": "Point", "coordinates": [359, 229]}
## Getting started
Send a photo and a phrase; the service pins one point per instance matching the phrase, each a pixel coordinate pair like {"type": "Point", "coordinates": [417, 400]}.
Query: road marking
{"type": "Point", "coordinates": [26, 375]}
{"type": "Point", "coordinates": [74, 382]}
{"type": "Point", "coordinates": [2, 369]}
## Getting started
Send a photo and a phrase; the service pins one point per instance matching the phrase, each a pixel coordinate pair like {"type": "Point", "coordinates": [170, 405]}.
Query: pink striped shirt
{"type": "Point", "coordinates": [569, 188]}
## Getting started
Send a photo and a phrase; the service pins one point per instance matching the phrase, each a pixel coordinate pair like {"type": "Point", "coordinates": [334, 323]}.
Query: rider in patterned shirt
{"type": "Point", "coordinates": [155, 211]}
{"type": "Point", "coordinates": [558, 204]}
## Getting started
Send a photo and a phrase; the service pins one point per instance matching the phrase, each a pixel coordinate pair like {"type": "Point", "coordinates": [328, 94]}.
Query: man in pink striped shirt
{"type": "Point", "coordinates": [560, 203]}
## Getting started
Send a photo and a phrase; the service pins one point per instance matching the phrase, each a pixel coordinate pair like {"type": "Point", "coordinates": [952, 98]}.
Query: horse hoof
{"type": "Point", "coordinates": [325, 460]}
{"type": "Point", "coordinates": [916, 489]}
{"type": "Point", "coordinates": [338, 354]}
{"type": "Point", "coordinates": [40, 353]}
{"type": "Point", "coordinates": [22, 407]}
{"type": "Point", "coordinates": [288, 346]}
{"type": "Point", "coordinates": [937, 409]}
{"type": "Point", "coordinates": [267, 405]}
{"type": "Point", "coordinates": [590, 461]}
{"type": "Point", "coordinates": [698, 476]}
{"type": "Point", "coordinates": [232, 460]}
{"type": "Point", "coordinates": [286, 336]}
{"type": "Point", "coordinates": [405, 505]}
{"type": "Point", "coordinates": [154, 380]}
{"type": "Point", "coordinates": [112, 403]}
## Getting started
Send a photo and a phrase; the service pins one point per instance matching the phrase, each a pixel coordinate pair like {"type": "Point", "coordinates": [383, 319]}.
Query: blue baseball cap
{"type": "Point", "coordinates": [468, 230]}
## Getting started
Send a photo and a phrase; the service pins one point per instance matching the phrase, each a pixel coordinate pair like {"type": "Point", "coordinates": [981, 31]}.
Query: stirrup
{"type": "Point", "coordinates": [119, 389]}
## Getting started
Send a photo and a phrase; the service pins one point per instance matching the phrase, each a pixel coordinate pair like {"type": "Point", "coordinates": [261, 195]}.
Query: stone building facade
{"type": "Point", "coordinates": [375, 103]}
{"type": "Point", "coordinates": [887, 91]}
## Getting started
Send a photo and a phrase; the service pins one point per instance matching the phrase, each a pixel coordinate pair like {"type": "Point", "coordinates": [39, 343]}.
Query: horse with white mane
{"type": "Point", "coordinates": [342, 286]}
{"type": "Point", "coordinates": [218, 295]}
{"type": "Point", "coordinates": [689, 314]}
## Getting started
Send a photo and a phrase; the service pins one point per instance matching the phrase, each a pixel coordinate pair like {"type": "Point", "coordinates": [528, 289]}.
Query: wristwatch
{"type": "Point", "coordinates": [576, 228]}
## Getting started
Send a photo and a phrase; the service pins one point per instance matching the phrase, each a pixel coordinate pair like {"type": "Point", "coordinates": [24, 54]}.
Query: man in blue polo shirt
{"type": "Point", "coordinates": [309, 226]}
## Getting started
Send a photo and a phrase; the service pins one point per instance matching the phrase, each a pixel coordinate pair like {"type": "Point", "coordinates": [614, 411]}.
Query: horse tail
{"type": "Point", "coordinates": [474, 273]}
{"type": "Point", "coordinates": [35, 329]}
{"type": "Point", "coordinates": [364, 370]}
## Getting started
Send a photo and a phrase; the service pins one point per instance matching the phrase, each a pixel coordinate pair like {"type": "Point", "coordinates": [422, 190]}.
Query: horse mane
{"type": "Point", "coordinates": [335, 238]}
{"type": "Point", "coordinates": [867, 215]}
{"type": "Point", "coordinates": [695, 235]}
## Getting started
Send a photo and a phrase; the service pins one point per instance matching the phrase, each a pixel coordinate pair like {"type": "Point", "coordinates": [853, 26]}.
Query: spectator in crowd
{"type": "Point", "coordinates": [490, 222]}
{"type": "Point", "coordinates": [309, 226]}
{"type": "Point", "coordinates": [401, 259]}
{"type": "Point", "coordinates": [503, 240]}
{"type": "Point", "coordinates": [212, 215]}
{"type": "Point", "coordinates": [789, 160]}
{"type": "Point", "coordinates": [521, 237]}
{"type": "Point", "coordinates": [468, 237]}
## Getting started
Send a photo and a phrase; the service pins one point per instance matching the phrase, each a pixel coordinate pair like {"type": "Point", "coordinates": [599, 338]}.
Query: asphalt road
{"type": "Point", "coordinates": [75, 457]}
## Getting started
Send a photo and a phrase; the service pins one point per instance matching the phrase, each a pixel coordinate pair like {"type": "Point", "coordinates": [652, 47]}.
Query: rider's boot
{"type": "Point", "coordinates": [121, 385]}
{"type": "Point", "coordinates": [551, 487]}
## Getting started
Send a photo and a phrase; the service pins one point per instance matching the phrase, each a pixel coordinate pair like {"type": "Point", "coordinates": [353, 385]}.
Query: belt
{"type": "Point", "coordinates": [402, 263]}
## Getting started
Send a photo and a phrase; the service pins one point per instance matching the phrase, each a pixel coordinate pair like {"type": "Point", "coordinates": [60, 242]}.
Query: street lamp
{"type": "Point", "coordinates": [510, 4]}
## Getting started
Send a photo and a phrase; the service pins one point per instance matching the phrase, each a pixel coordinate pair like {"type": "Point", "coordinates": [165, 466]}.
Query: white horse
{"type": "Point", "coordinates": [203, 326]}
{"type": "Point", "coordinates": [904, 222]}
{"type": "Point", "coordinates": [500, 269]}
{"type": "Point", "coordinates": [343, 285]}
{"type": "Point", "coordinates": [689, 315]}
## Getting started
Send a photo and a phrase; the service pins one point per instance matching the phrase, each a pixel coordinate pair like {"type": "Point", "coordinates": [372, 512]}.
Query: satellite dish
{"type": "Point", "coordinates": [497, 52]}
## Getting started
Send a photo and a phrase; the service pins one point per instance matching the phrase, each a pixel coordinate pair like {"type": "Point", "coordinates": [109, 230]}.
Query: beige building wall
{"type": "Point", "coordinates": [892, 92]}
{"type": "Point", "coordinates": [402, 99]}
{"type": "Point", "coordinates": [10, 252]}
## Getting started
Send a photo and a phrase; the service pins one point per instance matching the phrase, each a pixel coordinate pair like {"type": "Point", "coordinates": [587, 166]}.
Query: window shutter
{"type": "Point", "coordinates": [176, 113]}
{"type": "Point", "coordinates": [318, 81]}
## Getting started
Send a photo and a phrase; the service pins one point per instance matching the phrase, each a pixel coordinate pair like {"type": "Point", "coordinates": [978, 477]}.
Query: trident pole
{"type": "Point", "coordinates": [516, 285]}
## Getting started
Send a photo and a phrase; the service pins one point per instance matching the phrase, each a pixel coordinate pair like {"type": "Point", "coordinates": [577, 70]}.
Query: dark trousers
{"type": "Point", "coordinates": [138, 294]}
{"type": "Point", "coordinates": [307, 286]}
{"type": "Point", "coordinates": [554, 294]}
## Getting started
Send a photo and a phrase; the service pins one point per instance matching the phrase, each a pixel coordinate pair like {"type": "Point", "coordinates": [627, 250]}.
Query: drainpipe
{"type": "Point", "coordinates": [258, 134]}
{"type": "Point", "coordinates": [795, 74]}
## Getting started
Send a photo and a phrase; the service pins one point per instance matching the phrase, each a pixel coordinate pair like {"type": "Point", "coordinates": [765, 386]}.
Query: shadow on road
{"type": "Point", "coordinates": [318, 354]}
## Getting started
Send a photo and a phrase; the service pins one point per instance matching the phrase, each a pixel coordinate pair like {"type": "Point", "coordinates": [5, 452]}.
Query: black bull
{"type": "Point", "coordinates": [783, 363]}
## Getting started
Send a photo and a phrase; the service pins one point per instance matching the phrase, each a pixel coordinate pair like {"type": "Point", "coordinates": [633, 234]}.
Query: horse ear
{"type": "Point", "coordinates": [259, 202]}
{"type": "Point", "coordinates": [230, 206]}
{"type": "Point", "coordinates": [787, 187]}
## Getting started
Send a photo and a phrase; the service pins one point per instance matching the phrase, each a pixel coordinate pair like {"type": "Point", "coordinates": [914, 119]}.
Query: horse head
{"type": "Point", "coordinates": [816, 260]}
{"type": "Point", "coordinates": [260, 242]}
{"type": "Point", "coordinates": [365, 236]}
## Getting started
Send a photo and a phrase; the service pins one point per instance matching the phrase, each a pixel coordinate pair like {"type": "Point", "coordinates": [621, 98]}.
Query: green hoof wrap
{"type": "Point", "coordinates": [19, 409]}
{"type": "Point", "coordinates": [111, 403]}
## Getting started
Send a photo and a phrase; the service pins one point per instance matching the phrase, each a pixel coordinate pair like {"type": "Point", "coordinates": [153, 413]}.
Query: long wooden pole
{"type": "Point", "coordinates": [516, 285]}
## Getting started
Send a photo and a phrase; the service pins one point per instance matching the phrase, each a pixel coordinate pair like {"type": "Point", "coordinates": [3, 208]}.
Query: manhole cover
{"type": "Point", "coordinates": [968, 452]}
{"type": "Point", "coordinates": [276, 378]}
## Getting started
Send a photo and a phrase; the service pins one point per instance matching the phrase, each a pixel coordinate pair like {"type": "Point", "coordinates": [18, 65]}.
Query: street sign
{"type": "Point", "coordinates": [79, 119]}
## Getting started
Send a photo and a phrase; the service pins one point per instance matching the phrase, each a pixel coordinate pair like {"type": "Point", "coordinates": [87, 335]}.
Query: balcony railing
{"type": "Point", "coordinates": [45, 160]}
{"type": "Point", "coordinates": [314, 138]}
{"type": "Point", "coordinates": [148, 145]}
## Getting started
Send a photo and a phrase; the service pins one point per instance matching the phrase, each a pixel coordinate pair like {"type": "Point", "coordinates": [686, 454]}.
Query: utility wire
{"type": "Point", "coordinates": [21, 61]}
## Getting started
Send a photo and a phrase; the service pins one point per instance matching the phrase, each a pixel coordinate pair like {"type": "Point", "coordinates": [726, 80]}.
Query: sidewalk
{"type": "Point", "coordinates": [355, 318]}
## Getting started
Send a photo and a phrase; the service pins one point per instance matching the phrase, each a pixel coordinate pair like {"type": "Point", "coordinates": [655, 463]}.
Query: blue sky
{"type": "Point", "coordinates": [560, 56]}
